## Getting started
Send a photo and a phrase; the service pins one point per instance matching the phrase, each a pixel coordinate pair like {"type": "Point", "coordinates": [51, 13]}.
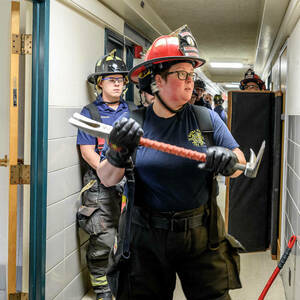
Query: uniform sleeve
{"type": "Point", "coordinates": [82, 137]}
{"type": "Point", "coordinates": [222, 135]}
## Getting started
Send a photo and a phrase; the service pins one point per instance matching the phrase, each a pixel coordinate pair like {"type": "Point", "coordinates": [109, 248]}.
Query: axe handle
{"type": "Point", "coordinates": [240, 167]}
{"type": "Point", "coordinates": [179, 151]}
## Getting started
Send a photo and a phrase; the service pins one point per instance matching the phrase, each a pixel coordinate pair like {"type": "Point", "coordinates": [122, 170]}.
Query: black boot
{"type": "Point", "coordinates": [104, 296]}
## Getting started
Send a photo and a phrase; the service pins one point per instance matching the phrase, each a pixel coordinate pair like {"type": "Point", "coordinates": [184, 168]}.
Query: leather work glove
{"type": "Point", "coordinates": [123, 141]}
{"type": "Point", "coordinates": [220, 160]}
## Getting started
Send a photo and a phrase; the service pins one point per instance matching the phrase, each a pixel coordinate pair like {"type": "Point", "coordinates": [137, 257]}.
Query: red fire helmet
{"type": "Point", "coordinates": [178, 46]}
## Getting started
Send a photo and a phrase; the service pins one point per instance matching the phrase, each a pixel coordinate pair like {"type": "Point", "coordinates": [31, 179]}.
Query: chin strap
{"type": "Point", "coordinates": [168, 107]}
{"type": "Point", "coordinates": [155, 91]}
{"type": "Point", "coordinates": [115, 102]}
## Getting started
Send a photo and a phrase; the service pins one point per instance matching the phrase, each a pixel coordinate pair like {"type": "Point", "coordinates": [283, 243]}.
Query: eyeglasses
{"type": "Point", "coordinates": [252, 87]}
{"type": "Point", "coordinates": [183, 75]}
{"type": "Point", "coordinates": [114, 80]}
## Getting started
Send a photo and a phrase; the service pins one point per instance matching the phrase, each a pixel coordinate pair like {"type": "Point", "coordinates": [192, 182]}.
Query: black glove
{"type": "Point", "coordinates": [220, 160]}
{"type": "Point", "coordinates": [123, 141]}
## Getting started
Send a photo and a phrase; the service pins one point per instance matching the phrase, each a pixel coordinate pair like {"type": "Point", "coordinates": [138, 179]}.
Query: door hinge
{"type": "Point", "coordinates": [4, 161]}
{"type": "Point", "coordinates": [21, 43]}
{"type": "Point", "coordinates": [20, 173]}
{"type": "Point", "coordinates": [18, 296]}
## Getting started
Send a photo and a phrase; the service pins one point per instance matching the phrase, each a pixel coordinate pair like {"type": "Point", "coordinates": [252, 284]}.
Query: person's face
{"type": "Point", "coordinates": [208, 98]}
{"type": "Point", "coordinates": [112, 86]}
{"type": "Point", "coordinates": [251, 86]}
{"type": "Point", "coordinates": [174, 91]}
{"type": "Point", "coordinates": [200, 92]}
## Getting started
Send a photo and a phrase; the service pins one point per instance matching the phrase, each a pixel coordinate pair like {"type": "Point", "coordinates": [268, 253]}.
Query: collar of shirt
{"type": "Point", "coordinates": [104, 107]}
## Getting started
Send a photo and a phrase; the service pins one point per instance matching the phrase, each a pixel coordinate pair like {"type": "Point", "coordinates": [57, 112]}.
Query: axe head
{"type": "Point", "coordinates": [90, 126]}
{"type": "Point", "coordinates": [253, 165]}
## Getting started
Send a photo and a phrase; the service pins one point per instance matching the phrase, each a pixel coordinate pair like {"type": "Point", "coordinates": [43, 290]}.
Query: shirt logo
{"type": "Point", "coordinates": [196, 137]}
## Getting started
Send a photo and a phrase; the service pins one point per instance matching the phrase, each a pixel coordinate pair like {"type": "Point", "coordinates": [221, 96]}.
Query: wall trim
{"type": "Point", "coordinates": [39, 149]}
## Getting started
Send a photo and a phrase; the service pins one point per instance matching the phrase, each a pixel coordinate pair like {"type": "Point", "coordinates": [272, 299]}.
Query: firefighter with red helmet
{"type": "Point", "coordinates": [252, 82]}
{"type": "Point", "coordinates": [176, 226]}
{"type": "Point", "coordinates": [100, 212]}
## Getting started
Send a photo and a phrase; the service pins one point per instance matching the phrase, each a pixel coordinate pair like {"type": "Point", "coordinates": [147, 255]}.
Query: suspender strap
{"type": "Point", "coordinates": [138, 115]}
{"type": "Point", "coordinates": [94, 112]}
{"type": "Point", "coordinates": [95, 115]}
{"type": "Point", "coordinates": [205, 124]}
{"type": "Point", "coordinates": [129, 173]}
{"type": "Point", "coordinates": [213, 235]}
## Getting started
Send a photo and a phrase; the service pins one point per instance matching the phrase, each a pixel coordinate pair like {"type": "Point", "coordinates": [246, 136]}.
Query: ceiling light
{"type": "Point", "coordinates": [229, 65]}
{"type": "Point", "coordinates": [232, 85]}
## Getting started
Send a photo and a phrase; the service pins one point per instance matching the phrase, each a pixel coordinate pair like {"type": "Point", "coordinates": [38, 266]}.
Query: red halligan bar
{"type": "Point", "coordinates": [179, 151]}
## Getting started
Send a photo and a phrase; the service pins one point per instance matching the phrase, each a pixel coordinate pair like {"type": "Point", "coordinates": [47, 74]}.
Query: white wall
{"type": "Point", "coordinates": [76, 43]}
{"type": "Point", "coordinates": [293, 103]}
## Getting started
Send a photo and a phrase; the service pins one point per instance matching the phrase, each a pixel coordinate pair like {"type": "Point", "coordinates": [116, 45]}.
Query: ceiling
{"type": "Point", "coordinates": [226, 30]}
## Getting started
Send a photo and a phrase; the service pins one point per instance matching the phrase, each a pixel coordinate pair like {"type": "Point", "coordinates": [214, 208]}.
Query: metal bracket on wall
{"type": "Point", "coordinates": [20, 174]}
{"type": "Point", "coordinates": [18, 296]}
{"type": "Point", "coordinates": [4, 161]}
{"type": "Point", "coordinates": [21, 43]}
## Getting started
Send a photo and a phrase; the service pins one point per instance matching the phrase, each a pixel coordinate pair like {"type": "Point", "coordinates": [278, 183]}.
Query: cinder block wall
{"type": "Point", "coordinates": [291, 206]}
{"type": "Point", "coordinates": [76, 42]}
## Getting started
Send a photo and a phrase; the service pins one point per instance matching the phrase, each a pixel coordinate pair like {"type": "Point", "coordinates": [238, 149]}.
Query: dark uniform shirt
{"type": "Point", "coordinates": [166, 182]}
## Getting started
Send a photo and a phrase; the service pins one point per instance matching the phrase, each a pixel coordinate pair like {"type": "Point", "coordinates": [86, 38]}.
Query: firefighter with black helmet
{"type": "Point", "coordinates": [252, 82]}
{"type": "Point", "coordinates": [219, 109]}
{"type": "Point", "coordinates": [99, 214]}
{"type": "Point", "coordinates": [200, 87]}
{"type": "Point", "coordinates": [176, 227]}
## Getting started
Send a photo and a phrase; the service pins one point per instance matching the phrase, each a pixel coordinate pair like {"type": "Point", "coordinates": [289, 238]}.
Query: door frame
{"type": "Point", "coordinates": [39, 148]}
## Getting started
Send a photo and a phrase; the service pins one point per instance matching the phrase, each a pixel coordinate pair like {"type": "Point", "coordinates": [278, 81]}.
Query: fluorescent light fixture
{"type": "Point", "coordinates": [229, 65]}
{"type": "Point", "coordinates": [232, 85]}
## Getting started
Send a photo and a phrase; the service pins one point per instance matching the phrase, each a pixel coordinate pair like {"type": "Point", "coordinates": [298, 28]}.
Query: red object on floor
{"type": "Point", "coordinates": [279, 266]}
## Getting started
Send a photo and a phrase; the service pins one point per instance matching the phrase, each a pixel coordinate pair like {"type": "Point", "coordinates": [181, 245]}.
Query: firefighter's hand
{"type": "Point", "coordinates": [220, 160]}
{"type": "Point", "coordinates": [123, 141]}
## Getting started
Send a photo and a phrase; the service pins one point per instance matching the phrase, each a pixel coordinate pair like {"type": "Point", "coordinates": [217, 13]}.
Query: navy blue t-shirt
{"type": "Point", "coordinates": [165, 182]}
{"type": "Point", "coordinates": [108, 116]}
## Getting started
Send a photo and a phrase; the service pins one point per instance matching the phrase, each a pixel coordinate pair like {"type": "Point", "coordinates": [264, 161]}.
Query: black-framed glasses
{"type": "Point", "coordinates": [251, 87]}
{"type": "Point", "coordinates": [114, 80]}
{"type": "Point", "coordinates": [184, 75]}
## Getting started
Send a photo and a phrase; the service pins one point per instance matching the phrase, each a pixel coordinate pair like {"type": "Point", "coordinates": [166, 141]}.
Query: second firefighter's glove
{"type": "Point", "coordinates": [220, 160]}
{"type": "Point", "coordinates": [123, 141]}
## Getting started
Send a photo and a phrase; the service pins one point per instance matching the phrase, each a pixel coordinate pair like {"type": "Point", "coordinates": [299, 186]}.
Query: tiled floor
{"type": "Point", "coordinates": [256, 268]}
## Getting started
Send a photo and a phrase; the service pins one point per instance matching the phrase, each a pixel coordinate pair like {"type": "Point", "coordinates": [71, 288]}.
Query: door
{"type": "Point", "coordinates": [5, 13]}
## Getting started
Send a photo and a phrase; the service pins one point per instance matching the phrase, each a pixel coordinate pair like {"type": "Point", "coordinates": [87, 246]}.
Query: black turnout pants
{"type": "Point", "coordinates": [102, 226]}
{"type": "Point", "coordinates": [160, 248]}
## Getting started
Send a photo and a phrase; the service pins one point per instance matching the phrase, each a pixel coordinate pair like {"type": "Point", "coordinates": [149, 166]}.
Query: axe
{"type": "Point", "coordinates": [98, 129]}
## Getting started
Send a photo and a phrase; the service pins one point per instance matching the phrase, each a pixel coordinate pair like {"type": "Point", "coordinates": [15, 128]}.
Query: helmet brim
{"type": "Point", "coordinates": [93, 77]}
{"type": "Point", "coordinates": [259, 82]}
{"type": "Point", "coordinates": [133, 74]}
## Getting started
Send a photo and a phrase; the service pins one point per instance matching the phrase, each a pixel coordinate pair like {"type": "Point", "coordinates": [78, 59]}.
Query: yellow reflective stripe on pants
{"type": "Point", "coordinates": [98, 281]}
{"type": "Point", "coordinates": [87, 187]}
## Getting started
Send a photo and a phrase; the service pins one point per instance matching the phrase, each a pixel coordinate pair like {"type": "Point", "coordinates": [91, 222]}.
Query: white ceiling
{"type": "Point", "coordinates": [225, 30]}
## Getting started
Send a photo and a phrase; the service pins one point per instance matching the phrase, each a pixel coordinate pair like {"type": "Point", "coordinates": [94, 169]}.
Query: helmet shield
{"type": "Point", "coordinates": [177, 47]}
